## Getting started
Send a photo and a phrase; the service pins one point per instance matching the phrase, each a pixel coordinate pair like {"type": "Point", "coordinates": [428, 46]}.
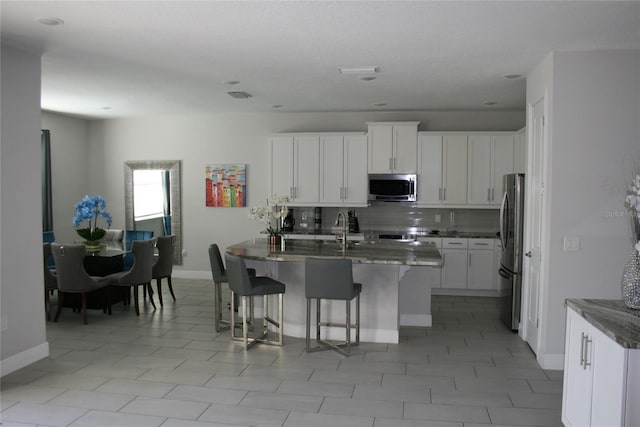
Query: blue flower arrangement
{"type": "Point", "coordinates": [89, 209]}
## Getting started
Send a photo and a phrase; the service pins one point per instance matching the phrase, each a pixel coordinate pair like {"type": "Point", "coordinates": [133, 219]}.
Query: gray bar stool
{"type": "Point", "coordinates": [331, 279]}
{"type": "Point", "coordinates": [244, 285]}
{"type": "Point", "coordinates": [219, 274]}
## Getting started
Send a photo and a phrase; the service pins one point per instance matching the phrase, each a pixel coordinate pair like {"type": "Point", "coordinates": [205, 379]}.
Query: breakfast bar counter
{"type": "Point", "coordinates": [395, 279]}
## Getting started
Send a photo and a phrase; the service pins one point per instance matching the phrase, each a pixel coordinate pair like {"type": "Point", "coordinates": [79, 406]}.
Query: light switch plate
{"type": "Point", "coordinates": [571, 244]}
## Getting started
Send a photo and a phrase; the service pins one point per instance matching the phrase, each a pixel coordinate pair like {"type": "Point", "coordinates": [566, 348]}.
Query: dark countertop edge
{"type": "Point", "coordinates": [612, 318]}
{"type": "Point", "coordinates": [443, 234]}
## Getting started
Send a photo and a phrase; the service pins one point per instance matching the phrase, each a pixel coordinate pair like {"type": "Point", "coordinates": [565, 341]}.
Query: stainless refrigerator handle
{"type": "Point", "coordinates": [503, 233]}
{"type": "Point", "coordinates": [503, 273]}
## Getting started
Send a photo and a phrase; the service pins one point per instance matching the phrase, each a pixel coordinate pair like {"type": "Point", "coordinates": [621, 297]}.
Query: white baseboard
{"type": "Point", "coordinates": [551, 361]}
{"type": "Point", "coordinates": [424, 320]}
{"type": "Point", "coordinates": [25, 358]}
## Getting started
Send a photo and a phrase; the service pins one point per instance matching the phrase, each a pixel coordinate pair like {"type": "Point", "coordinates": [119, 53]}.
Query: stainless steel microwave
{"type": "Point", "coordinates": [388, 187]}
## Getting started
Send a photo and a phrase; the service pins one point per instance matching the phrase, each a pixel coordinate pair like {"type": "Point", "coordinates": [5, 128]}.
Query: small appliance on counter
{"type": "Point", "coordinates": [354, 227]}
{"type": "Point", "coordinates": [317, 219]}
{"type": "Point", "coordinates": [288, 222]}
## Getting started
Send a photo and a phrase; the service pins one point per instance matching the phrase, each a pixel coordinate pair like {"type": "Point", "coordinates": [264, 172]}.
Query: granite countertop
{"type": "Point", "coordinates": [612, 317]}
{"type": "Point", "coordinates": [364, 252]}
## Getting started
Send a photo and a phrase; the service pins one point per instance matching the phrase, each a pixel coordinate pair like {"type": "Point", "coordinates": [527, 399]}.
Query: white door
{"type": "Point", "coordinates": [534, 184]}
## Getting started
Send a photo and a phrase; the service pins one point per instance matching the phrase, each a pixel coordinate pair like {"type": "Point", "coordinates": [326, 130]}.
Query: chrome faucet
{"type": "Point", "coordinates": [342, 239]}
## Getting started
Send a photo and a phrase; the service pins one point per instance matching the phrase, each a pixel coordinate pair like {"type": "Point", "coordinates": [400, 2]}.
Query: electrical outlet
{"type": "Point", "coordinates": [438, 218]}
{"type": "Point", "coordinates": [571, 244]}
{"type": "Point", "coordinates": [184, 252]}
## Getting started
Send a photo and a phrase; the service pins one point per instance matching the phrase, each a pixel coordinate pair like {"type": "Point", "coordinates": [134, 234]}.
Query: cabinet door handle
{"type": "Point", "coordinates": [344, 193]}
{"type": "Point", "coordinates": [488, 194]}
{"type": "Point", "coordinates": [587, 341]}
{"type": "Point", "coordinates": [440, 193]}
{"type": "Point", "coordinates": [493, 194]}
{"type": "Point", "coordinates": [291, 192]}
{"type": "Point", "coordinates": [395, 163]}
{"type": "Point", "coordinates": [582, 350]}
{"type": "Point", "coordinates": [444, 193]}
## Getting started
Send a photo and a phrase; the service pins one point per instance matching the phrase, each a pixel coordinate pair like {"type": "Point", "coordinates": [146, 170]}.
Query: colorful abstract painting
{"type": "Point", "coordinates": [226, 185]}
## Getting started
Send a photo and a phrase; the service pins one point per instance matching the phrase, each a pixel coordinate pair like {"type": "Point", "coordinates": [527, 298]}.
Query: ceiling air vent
{"type": "Point", "coordinates": [240, 94]}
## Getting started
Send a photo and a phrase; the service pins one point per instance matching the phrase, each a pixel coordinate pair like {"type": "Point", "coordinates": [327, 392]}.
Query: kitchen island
{"type": "Point", "coordinates": [387, 270]}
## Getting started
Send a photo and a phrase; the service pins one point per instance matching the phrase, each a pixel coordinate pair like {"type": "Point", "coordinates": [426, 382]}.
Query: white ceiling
{"type": "Point", "coordinates": [126, 58]}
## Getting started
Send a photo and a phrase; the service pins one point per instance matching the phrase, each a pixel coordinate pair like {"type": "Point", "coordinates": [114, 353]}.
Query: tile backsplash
{"type": "Point", "coordinates": [402, 218]}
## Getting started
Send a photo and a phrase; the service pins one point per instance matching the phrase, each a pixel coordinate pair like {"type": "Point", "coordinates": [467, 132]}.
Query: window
{"type": "Point", "coordinates": [149, 191]}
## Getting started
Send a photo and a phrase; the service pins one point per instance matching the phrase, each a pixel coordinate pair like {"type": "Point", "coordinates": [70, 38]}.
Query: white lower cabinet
{"type": "Point", "coordinates": [481, 266]}
{"type": "Point", "coordinates": [454, 269]}
{"type": "Point", "coordinates": [598, 373]}
{"type": "Point", "coordinates": [469, 266]}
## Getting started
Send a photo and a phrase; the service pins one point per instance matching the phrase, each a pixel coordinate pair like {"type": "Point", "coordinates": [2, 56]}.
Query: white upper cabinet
{"type": "Point", "coordinates": [343, 170]}
{"type": "Point", "coordinates": [490, 157]}
{"type": "Point", "coordinates": [393, 147]}
{"type": "Point", "coordinates": [520, 151]}
{"type": "Point", "coordinates": [442, 169]}
{"type": "Point", "coordinates": [281, 171]}
{"type": "Point", "coordinates": [454, 170]}
{"type": "Point", "coordinates": [295, 169]}
{"type": "Point", "coordinates": [429, 169]}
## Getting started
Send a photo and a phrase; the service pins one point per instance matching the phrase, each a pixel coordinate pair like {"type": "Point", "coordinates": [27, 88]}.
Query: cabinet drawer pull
{"type": "Point", "coordinates": [480, 244]}
{"type": "Point", "coordinates": [454, 243]}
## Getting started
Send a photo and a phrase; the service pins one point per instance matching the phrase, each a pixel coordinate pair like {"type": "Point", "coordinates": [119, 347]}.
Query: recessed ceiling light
{"type": "Point", "coordinates": [380, 104]}
{"type": "Point", "coordinates": [240, 94]}
{"type": "Point", "coordinates": [358, 70]}
{"type": "Point", "coordinates": [276, 106]}
{"type": "Point", "coordinates": [512, 76]}
{"type": "Point", "coordinates": [367, 78]}
{"type": "Point", "coordinates": [51, 21]}
{"type": "Point", "coordinates": [105, 108]}
{"type": "Point", "coordinates": [232, 82]}
{"type": "Point", "coordinates": [489, 103]}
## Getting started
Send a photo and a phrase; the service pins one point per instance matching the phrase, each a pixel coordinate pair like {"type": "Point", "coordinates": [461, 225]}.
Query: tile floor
{"type": "Point", "coordinates": [169, 368]}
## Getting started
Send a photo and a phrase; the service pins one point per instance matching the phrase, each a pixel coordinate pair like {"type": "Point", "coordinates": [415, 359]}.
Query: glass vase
{"type": "Point", "coordinates": [631, 281]}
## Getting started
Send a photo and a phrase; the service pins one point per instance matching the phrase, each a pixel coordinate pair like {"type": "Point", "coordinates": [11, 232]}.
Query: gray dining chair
{"type": "Point", "coordinates": [219, 274]}
{"type": "Point", "coordinates": [50, 279]}
{"type": "Point", "coordinates": [72, 278]}
{"type": "Point", "coordinates": [331, 279]}
{"type": "Point", "coordinates": [163, 267]}
{"type": "Point", "coordinates": [140, 273]}
{"type": "Point", "coordinates": [246, 287]}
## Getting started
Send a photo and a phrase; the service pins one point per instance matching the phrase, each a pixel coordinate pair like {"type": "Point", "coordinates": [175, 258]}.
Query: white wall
{"type": "Point", "coordinates": [202, 139]}
{"type": "Point", "coordinates": [69, 169]}
{"type": "Point", "coordinates": [594, 142]}
{"type": "Point", "coordinates": [23, 337]}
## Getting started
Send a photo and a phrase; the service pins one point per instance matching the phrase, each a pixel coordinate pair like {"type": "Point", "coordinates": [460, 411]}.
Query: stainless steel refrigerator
{"type": "Point", "coordinates": [511, 236]}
